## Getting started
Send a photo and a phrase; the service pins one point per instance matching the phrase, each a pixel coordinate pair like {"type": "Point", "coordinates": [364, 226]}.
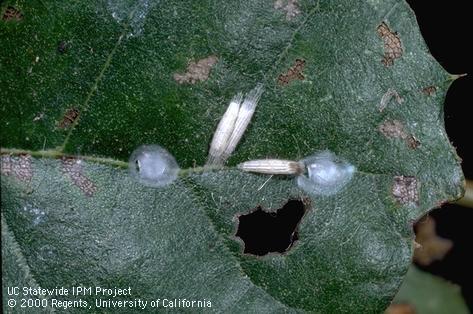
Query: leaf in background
{"type": "Point", "coordinates": [86, 82]}
{"type": "Point", "coordinates": [431, 246]}
{"type": "Point", "coordinates": [429, 294]}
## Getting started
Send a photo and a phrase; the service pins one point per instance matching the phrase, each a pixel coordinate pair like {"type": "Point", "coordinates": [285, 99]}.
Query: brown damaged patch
{"type": "Point", "coordinates": [12, 14]}
{"type": "Point", "coordinates": [17, 166]}
{"type": "Point", "coordinates": [197, 71]}
{"type": "Point", "coordinates": [294, 73]}
{"type": "Point", "coordinates": [395, 129]}
{"type": "Point", "coordinates": [406, 190]}
{"type": "Point", "coordinates": [432, 247]}
{"type": "Point", "coordinates": [72, 167]}
{"type": "Point", "coordinates": [429, 90]}
{"type": "Point", "coordinates": [70, 116]}
{"type": "Point", "coordinates": [412, 142]}
{"type": "Point", "coordinates": [392, 44]}
{"type": "Point", "coordinates": [291, 7]}
{"type": "Point", "coordinates": [401, 308]}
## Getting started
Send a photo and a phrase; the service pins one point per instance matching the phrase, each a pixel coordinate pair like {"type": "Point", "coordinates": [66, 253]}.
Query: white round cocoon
{"type": "Point", "coordinates": [327, 174]}
{"type": "Point", "coordinates": [153, 166]}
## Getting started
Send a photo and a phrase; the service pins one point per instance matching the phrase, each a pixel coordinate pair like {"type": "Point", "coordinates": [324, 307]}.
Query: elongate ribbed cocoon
{"type": "Point", "coordinates": [245, 114]}
{"type": "Point", "coordinates": [273, 166]}
{"type": "Point", "coordinates": [224, 131]}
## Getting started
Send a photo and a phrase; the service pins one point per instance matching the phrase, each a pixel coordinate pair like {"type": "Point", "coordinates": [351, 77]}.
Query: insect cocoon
{"type": "Point", "coordinates": [153, 166]}
{"type": "Point", "coordinates": [224, 130]}
{"type": "Point", "coordinates": [244, 117]}
{"type": "Point", "coordinates": [232, 126]}
{"type": "Point", "coordinates": [327, 174]}
{"type": "Point", "coordinates": [273, 166]}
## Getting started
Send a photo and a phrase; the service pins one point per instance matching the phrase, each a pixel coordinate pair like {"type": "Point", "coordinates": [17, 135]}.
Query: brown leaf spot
{"type": "Point", "coordinates": [429, 90]}
{"type": "Point", "coordinates": [412, 142]}
{"type": "Point", "coordinates": [196, 71]}
{"type": "Point", "coordinates": [73, 168]}
{"type": "Point", "coordinates": [294, 73]}
{"type": "Point", "coordinates": [432, 247]}
{"type": "Point", "coordinates": [405, 190]}
{"type": "Point", "coordinates": [291, 7]}
{"type": "Point", "coordinates": [12, 14]}
{"type": "Point", "coordinates": [392, 44]}
{"type": "Point", "coordinates": [69, 117]}
{"type": "Point", "coordinates": [402, 308]}
{"type": "Point", "coordinates": [17, 166]}
{"type": "Point", "coordinates": [395, 129]}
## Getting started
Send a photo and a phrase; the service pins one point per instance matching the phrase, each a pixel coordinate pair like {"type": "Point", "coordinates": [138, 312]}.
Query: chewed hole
{"type": "Point", "coordinates": [263, 232]}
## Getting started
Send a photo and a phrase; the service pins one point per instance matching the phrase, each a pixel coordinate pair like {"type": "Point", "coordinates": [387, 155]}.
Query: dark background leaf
{"type": "Point", "coordinates": [429, 294]}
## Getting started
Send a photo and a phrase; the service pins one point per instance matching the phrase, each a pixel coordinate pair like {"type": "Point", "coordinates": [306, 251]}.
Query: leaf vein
{"type": "Point", "coordinates": [9, 238]}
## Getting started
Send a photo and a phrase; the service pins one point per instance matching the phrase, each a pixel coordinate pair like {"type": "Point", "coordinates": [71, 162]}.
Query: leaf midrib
{"type": "Point", "coordinates": [55, 154]}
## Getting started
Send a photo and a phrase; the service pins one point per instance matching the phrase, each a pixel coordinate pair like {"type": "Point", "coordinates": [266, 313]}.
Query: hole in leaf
{"type": "Point", "coordinates": [264, 232]}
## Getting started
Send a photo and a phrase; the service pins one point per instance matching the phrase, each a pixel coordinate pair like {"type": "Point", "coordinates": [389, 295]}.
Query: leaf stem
{"type": "Point", "coordinates": [467, 199]}
{"type": "Point", "coordinates": [196, 170]}
{"type": "Point", "coordinates": [56, 154]}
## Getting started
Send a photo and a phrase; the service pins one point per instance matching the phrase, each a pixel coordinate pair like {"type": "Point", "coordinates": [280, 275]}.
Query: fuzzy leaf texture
{"type": "Point", "coordinates": [100, 78]}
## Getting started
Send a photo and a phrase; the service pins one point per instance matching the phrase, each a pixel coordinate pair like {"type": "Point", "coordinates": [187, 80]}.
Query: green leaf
{"type": "Point", "coordinates": [96, 79]}
{"type": "Point", "coordinates": [430, 294]}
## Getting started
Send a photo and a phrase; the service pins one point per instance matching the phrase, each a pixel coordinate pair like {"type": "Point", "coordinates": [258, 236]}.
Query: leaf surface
{"type": "Point", "coordinates": [98, 79]}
